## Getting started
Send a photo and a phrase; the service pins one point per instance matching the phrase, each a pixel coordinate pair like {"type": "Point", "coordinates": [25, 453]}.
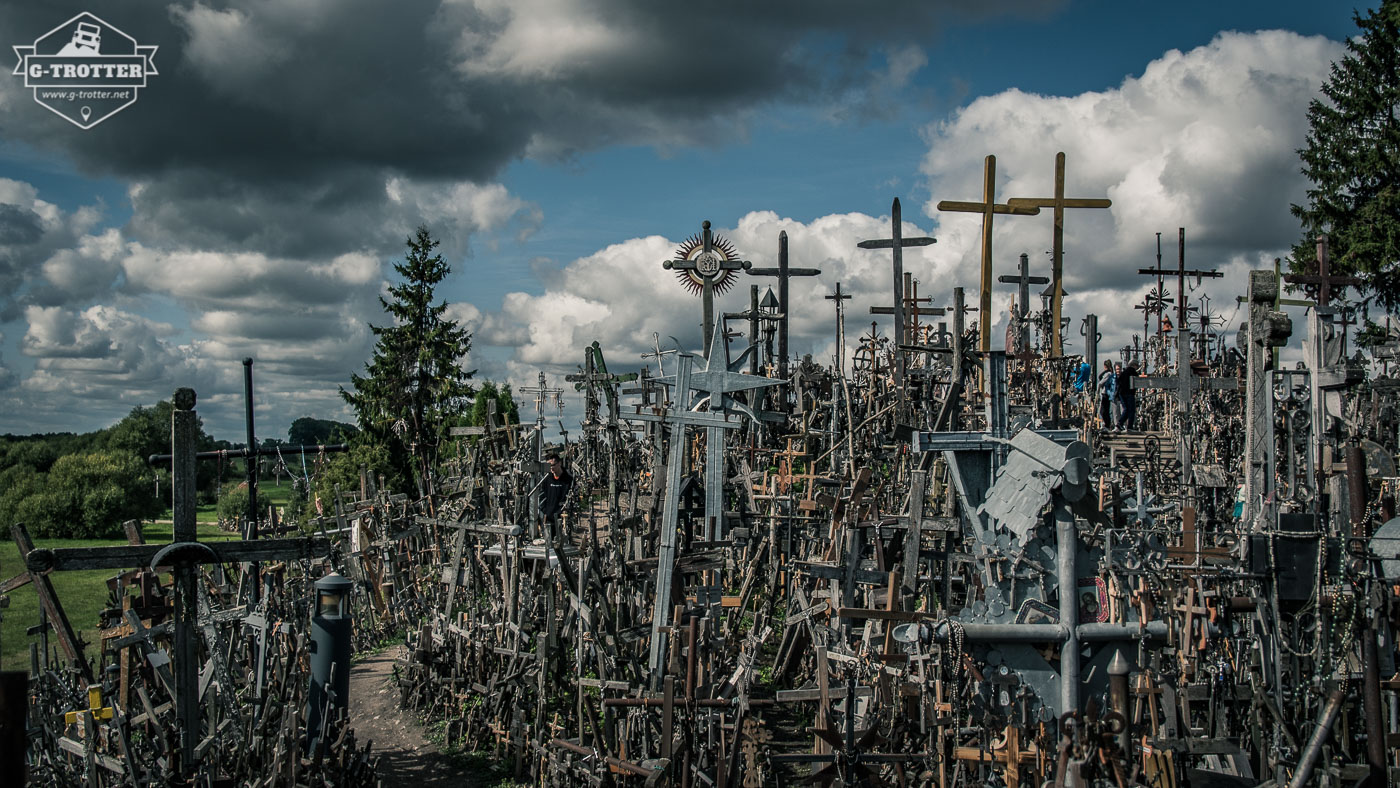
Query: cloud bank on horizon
{"type": "Point", "coordinates": [264, 211]}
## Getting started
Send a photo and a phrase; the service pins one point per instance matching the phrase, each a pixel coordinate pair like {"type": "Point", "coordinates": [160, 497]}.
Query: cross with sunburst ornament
{"type": "Point", "coordinates": [706, 264]}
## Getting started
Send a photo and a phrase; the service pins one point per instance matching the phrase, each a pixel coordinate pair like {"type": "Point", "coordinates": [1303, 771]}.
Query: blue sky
{"type": "Point", "coordinates": [251, 200]}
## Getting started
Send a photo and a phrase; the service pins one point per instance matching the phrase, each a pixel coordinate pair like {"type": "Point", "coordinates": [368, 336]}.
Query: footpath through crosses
{"type": "Point", "coordinates": [184, 554]}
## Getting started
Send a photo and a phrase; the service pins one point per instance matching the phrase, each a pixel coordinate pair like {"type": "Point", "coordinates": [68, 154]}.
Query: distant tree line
{"type": "Point", "coordinates": [67, 485]}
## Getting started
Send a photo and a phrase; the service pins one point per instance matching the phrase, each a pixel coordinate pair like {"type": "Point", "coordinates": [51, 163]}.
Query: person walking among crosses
{"type": "Point", "coordinates": [554, 494]}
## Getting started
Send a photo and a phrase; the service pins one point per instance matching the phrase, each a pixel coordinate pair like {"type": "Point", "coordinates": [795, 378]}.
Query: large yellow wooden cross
{"type": "Point", "coordinates": [1057, 250]}
{"type": "Point", "coordinates": [988, 208]}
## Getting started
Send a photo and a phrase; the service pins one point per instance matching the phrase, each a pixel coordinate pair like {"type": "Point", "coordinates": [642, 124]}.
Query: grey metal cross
{"type": "Point", "coordinates": [896, 243]}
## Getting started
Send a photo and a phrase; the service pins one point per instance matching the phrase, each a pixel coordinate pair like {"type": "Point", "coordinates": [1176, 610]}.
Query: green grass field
{"type": "Point", "coordinates": [84, 594]}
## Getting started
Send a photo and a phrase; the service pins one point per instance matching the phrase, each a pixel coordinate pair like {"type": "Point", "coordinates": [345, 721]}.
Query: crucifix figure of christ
{"type": "Point", "coordinates": [185, 554]}
{"type": "Point", "coordinates": [1022, 309]}
{"type": "Point", "coordinates": [784, 273]}
{"type": "Point", "coordinates": [707, 265]}
{"type": "Point", "coordinates": [1057, 249]}
{"type": "Point", "coordinates": [989, 207]}
{"type": "Point", "coordinates": [896, 243]}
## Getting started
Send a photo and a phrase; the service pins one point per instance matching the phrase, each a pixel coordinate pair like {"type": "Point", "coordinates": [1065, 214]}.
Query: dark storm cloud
{"type": "Point", "coordinates": [19, 226]}
{"type": "Point", "coordinates": [264, 90]}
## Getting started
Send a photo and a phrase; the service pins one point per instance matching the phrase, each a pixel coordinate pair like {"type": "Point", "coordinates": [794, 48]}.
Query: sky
{"type": "Point", "coordinates": [252, 200]}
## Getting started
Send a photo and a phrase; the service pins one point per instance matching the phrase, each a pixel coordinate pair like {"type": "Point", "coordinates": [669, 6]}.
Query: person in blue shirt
{"type": "Point", "coordinates": [1108, 394]}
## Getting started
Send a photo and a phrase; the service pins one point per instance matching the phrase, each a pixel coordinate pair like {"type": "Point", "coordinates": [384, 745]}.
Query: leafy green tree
{"type": "Point", "coordinates": [507, 411]}
{"type": "Point", "coordinates": [415, 384]}
{"type": "Point", "coordinates": [307, 431]}
{"type": "Point", "coordinates": [1353, 160]}
{"type": "Point", "coordinates": [89, 496]}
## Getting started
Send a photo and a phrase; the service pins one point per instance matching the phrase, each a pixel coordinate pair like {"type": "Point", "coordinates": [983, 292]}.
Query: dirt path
{"type": "Point", "coordinates": [406, 758]}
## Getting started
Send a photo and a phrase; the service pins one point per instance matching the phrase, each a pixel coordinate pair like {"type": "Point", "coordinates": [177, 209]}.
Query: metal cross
{"type": "Point", "coordinates": [1025, 280]}
{"type": "Point", "coordinates": [709, 265]}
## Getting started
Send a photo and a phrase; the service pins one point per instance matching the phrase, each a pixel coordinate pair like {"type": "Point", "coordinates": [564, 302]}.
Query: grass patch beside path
{"type": "Point", "coordinates": [83, 595]}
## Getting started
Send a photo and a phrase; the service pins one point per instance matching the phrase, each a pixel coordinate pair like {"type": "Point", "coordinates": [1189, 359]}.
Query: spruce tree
{"type": "Point", "coordinates": [1353, 160]}
{"type": "Point", "coordinates": [415, 383]}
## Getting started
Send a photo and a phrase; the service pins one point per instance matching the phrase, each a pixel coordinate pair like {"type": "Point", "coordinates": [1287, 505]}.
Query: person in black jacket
{"type": "Point", "coordinates": [1126, 395]}
{"type": "Point", "coordinates": [554, 495]}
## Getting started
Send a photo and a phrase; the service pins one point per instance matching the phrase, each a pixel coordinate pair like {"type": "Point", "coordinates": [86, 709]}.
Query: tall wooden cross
{"type": "Point", "coordinates": [1057, 249]}
{"type": "Point", "coordinates": [709, 263]}
{"type": "Point", "coordinates": [839, 297]}
{"type": "Point", "coordinates": [989, 207]}
{"type": "Point", "coordinates": [185, 553]}
{"type": "Point", "coordinates": [896, 243]}
{"type": "Point", "coordinates": [784, 273]}
{"type": "Point", "coordinates": [1022, 311]}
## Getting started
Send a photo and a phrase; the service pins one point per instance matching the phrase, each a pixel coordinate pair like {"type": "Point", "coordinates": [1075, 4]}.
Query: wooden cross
{"type": "Point", "coordinates": [185, 553]}
{"type": "Point", "coordinates": [1323, 281]}
{"type": "Point", "coordinates": [708, 263]}
{"type": "Point", "coordinates": [784, 273]}
{"type": "Point", "coordinates": [1057, 250]}
{"type": "Point", "coordinates": [1025, 280]}
{"type": "Point", "coordinates": [896, 243]}
{"type": "Point", "coordinates": [988, 208]}
{"type": "Point", "coordinates": [838, 297]}
{"type": "Point", "coordinates": [911, 310]}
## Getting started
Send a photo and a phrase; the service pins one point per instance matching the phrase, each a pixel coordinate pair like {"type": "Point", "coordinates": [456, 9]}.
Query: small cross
{"type": "Point", "coordinates": [94, 711]}
{"type": "Point", "coordinates": [838, 297]}
{"type": "Point", "coordinates": [896, 243]}
{"type": "Point", "coordinates": [1322, 280]}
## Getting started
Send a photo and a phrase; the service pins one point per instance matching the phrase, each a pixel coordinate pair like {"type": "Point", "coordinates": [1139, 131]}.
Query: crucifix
{"type": "Point", "coordinates": [989, 207]}
{"type": "Point", "coordinates": [1057, 250]}
{"type": "Point", "coordinates": [784, 273]}
{"type": "Point", "coordinates": [707, 264]}
{"type": "Point", "coordinates": [1022, 309]}
{"type": "Point", "coordinates": [185, 554]}
{"type": "Point", "coordinates": [896, 243]}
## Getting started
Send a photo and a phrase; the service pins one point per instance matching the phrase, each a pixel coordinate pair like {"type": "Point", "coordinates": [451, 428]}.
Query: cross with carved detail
{"type": "Point", "coordinates": [709, 265]}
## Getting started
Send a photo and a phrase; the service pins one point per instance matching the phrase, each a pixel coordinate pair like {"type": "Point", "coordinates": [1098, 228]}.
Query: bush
{"type": "Point", "coordinates": [233, 502]}
{"type": "Point", "coordinates": [83, 496]}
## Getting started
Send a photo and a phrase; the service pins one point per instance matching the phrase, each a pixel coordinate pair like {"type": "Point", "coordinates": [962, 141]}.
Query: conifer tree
{"type": "Point", "coordinates": [414, 384]}
{"type": "Point", "coordinates": [1353, 160]}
